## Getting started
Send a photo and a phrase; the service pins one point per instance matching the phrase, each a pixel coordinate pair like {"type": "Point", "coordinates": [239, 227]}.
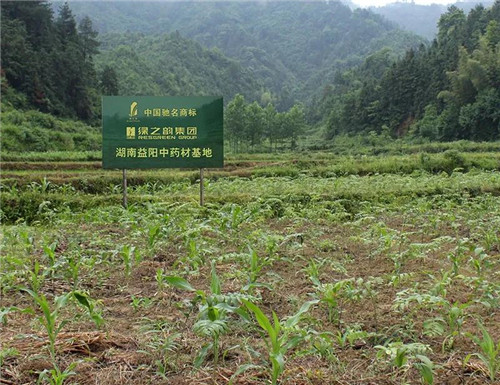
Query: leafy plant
{"type": "Point", "coordinates": [130, 257]}
{"type": "Point", "coordinates": [161, 345]}
{"type": "Point", "coordinates": [281, 336]}
{"type": "Point", "coordinates": [154, 232]}
{"type": "Point", "coordinates": [350, 336]}
{"type": "Point", "coordinates": [49, 319]}
{"type": "Point", "coordinates": [490, 352]}
{"type": "Point", "coordinates": [143, 302]}
{"type": "Point", "coordinates": [399, 353]}
{"type": "Point", "coordinates": [7, 352]}
{"type": "Point", "coordinates": [255, 266]}
{"type": "Point", "coordinates": [90, 304]}
{"type": "Point", "coordinates": [5, 311]}
{"type": "Point", "coordinates": [313, 271]}
{"type": "Point", "coordinates": [330, 294]}
{"type": "Point", "coordinates": [426, 368]}
{"type": "Point", "coordinates": [56, 376]}
{"type": "Point", "coordinates": [213, 311]}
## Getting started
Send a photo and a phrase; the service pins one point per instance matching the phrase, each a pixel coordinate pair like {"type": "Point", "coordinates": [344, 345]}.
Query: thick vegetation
{"type": "Point", "coordinates": [421, 19]}
{"type": "Point", "coordinates": [32, 130]}
{"type": "Point", "coordinates": [447, 91]}
{"type": "Point", "coordinates": [47, 63]}
{"type": "Point", "coordinates": [289, 47]}
{"type": "Point", "coordinates": [171, 65]}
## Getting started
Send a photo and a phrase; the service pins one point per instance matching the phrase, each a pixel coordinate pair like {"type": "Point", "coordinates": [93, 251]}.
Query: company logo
{"type": "Point", "coordinates": [130, 132]}
{"type": "Point", "coordinates": [133, 113]}
{"type": "Point", "coordinates": [133, 109]}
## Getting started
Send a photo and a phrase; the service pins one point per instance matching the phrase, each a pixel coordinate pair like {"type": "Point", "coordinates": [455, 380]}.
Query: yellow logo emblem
{"type": "Point", "coordinates": [133, 109]}
{"type": "Point", "coordinates": [130, 132]}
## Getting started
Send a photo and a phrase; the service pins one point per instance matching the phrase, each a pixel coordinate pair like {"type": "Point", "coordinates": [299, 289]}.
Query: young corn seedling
{"type": "Point", "coordinates": [130, 257]}
{"type": "Point", "coordinates": [72, 271]}
{"type": "Point", "coordinates": [28, 241]}
{"type": "Point", "coordinates": [255, 266]}
{"type": "Point", "coordinates": [50, 322]}
{"type": "Point", "coordinates": [50, 252]}
{"type": "Point", "coordinates": [53, 325]}
{"type": "Point", "coordinates": [313, 271]}
{"type": "Point", "coordinates": [153, 235]}
{"type": "Point", "coordinates": [281, 335]}
{"type": "Point", "coordinates": [330, 294]}
{"type": "Point", "coordinates": [490, 352]}
{"type": "Point", "coordinates": [89, 304]}
{"type": "Point", "coordinates": [480, 261]}
{"type": "Point", "coordinates": [450, 323]}
{"type": "Point", "coordinates": [143, 302]}
{"type": "Point", "coordinates": [57, 377]}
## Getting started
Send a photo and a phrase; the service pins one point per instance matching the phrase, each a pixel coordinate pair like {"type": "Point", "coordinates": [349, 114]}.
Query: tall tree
{"type": "Point", "coordinates": [66, 25]}
{"type": "Point", "coordinates": [235, 121]}
{"type": "Point", "coordinates": [109, 81]}
{"type": "Point", "coordinates": [296, 122]}
{"type": "Point", "coordinates": [88, 37]}
{"type": "Point", "coordinates": [255, 124]}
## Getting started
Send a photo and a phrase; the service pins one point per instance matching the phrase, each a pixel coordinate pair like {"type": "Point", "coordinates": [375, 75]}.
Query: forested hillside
{"type": "Point", "coordinates": [168, 64]}
{"type": "Point", "coordinates": [47, 61]}
{"type": "Point", "coordinates": [449, 90]}
{"type": "Point", "coordinates": [284, 68]}
{"type": "Point", "coordinates": [422, 19]}
{"type": "Point", "coordinates": [292, 48]}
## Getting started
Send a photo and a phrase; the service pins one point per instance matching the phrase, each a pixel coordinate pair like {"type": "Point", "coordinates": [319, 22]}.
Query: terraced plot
{"type": "Point", "coordinates": [300, 269]}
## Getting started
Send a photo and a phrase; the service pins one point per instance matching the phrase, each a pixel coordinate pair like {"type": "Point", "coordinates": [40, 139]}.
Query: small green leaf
{"type": "Point", "coordinates": [293, 320]}
{"type": "Point", "coordinates": [179, 283]}
{"type": "Point", "coordinates": [202, 354]}
{"type": "Point", "coordinates": [261, 319]}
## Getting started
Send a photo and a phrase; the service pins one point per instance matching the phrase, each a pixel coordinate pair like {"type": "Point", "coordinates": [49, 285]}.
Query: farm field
{"type": "Point", "coordinates": [376, 267]}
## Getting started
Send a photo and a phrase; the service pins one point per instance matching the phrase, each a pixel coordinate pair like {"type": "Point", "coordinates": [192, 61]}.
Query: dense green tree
{"type": "Point", "coordinates": [249, 126]}
{"type": "Point", "coordinates": [66, 25]}
{"type": "Point", "coordinates": [270, 126]}
{"type": "Point", "coordinates": [109, 81]}
{"type": "Point", "coordinates": [255, 124]}
{"type": "Point", "coordinates": [427, 127]}
{"type": "Point", "coordinates": [48, 59]}
{"type": "Point", "coordinates": [235, 122]}
{"type": "Point", "coordinates": [172, 65]}
{"type": "Point", "coordinates": [295, 124]}
{"type": "Point", "coordinates": [88, 38]}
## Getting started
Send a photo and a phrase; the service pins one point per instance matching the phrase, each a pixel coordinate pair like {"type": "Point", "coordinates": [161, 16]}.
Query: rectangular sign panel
{"type": "Point", "coordinates": [157, 131]}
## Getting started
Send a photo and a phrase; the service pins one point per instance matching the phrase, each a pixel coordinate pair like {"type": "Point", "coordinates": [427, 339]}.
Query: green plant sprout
{"type": "Point", "coordinates": [282, 336]}
{"type": "Point", "coordinates": [490, 352]}
{"type": "Point", "coordinates": [212, 312]}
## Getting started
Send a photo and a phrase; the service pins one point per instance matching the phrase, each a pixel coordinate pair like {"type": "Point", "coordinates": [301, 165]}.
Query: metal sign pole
{"type": "Point", "coordinates": [202, 188]}
{"type": "Point", "coordinates": [124, 185]}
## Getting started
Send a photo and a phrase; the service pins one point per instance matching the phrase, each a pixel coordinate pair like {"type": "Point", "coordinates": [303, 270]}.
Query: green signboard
{"type": "Point", "coordinates": [156, 131]}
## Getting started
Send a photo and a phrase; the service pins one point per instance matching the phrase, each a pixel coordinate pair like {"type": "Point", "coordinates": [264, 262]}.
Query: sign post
{"type": "Point", "coordinates": [141, 132]}
{"type": "Point", "coordinates": [202, 188]}
{"type": "Point", "coordinates": [124, 187]}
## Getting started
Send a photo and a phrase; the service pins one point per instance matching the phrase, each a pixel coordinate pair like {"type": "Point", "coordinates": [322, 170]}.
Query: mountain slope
{"type": "Point", "coordinates": [447, 91]}
{"type": "Point", "coordinates": [285, 45]}
{"type": "Point", "coordinates": [171, 65]}
{"type": "Point", "coordinates": [421, 19]}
